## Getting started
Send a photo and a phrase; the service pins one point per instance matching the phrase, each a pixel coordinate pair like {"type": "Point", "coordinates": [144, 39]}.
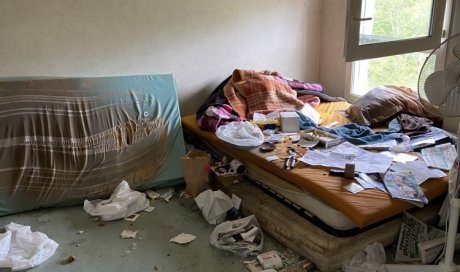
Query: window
{"type": "Point", "coordinates": [388, 40]}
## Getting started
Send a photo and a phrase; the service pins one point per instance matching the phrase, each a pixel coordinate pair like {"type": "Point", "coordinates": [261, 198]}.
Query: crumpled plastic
{"type": "Point", "coordinates": [214, 205]}
{"type": "Point", "coordinates": [241, 134]}
{"type": "Point", "coordinates": [369, 260]}
{"type": "Point", "coordinates": [242, 237]}
{"type": "Point", "coordinates": [122, 203]}
{"type": "Point", "coordinates": [20, 248]}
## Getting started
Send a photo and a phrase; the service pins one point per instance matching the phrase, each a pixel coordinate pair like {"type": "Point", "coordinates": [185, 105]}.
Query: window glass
{"type": "Point", "coordinates": [389, 20]}
{"type": "Point", "coordinates": [400, 70]}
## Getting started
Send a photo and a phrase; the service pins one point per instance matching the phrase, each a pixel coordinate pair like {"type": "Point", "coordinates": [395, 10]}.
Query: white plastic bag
{"type": "Point", "coordinates": [122, 203]}
{"type": "Point", "coordinates": [369, 260]}
{"type": "Point", "coordinates": [242, 237]}
{"type": "Point", "coordinates": [214, 205]}
{"type": "Point", "coordinates": [241, 134]}
{"type": "Point", "coordinates": [20, 248]}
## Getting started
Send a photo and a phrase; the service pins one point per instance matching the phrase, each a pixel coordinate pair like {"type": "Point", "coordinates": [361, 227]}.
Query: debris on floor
{"type": "Point", "coordinates": [369, 260]}
{"type": "Point", "coordinates": [71, 259]}
{"type": "Point", "coordinates": [165, 194]}
{"type": "Point", "coordinates": [122, 203]}
{"type": "Point", "coordinates": [80, 232]}
{"type": "Point", "coordinates": [132, 217]}
{"type": "Point", "coordinates": [128, 234]}
{"type": "Point", "coordinates": [183, 238]}
{"type": "Point", "coordinates": [20, 248]}
{"type": "Point", "coordinates": [290, 262]}
{"type": "Point", "coordinates": [214, 205]}
{"type": "Point", "coordinates": [242, 237]}
{"type": "Point", "coordinates": [149, 209]}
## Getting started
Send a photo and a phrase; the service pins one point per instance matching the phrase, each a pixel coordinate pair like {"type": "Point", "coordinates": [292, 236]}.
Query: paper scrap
{"type": "Point", "coordinates": [236, 201]}
{"type": "Point", "coordinates": [128, 234]}
{"type": "Point", "coordinates": [272, 158]}
{"type": "Point", "coordinates": [149, 209]}
{"type": "Point", "coordinates": [183, 238]}
{"type": "Point", "coordinates": [132, 217]}
{"type": "Point", "coordinates": [152, 194]}
{"type": "Point", "coordinates": [353, 187]}
{"type": "Point", "coordinates": [399, 157]}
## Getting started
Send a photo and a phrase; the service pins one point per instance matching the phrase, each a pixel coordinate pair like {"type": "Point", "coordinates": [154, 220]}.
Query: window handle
{"type": "Point", "coordinates": [362, 19]}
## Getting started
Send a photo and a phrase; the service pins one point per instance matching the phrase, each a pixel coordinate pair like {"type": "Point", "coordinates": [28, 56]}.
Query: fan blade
{"type": "Point", "coordinates": [439, 85]}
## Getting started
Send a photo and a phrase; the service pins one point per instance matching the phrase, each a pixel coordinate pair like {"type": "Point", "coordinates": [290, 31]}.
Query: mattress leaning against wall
{"type": "Point", "coordinates": [64, 140]}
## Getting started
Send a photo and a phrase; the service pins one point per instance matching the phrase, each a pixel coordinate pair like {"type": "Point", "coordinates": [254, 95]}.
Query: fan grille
{"type": "Point", "coordinates": [439, 79]}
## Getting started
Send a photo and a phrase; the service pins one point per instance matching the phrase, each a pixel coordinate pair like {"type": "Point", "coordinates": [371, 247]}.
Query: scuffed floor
{"type": "Point", "coordinates": [100, 248]}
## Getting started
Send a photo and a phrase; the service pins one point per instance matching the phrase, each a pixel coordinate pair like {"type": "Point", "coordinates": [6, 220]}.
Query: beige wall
{"type": "Point", "coordinates": [332, 63]}
{"type": "Point", "coordinates": [200, 41]}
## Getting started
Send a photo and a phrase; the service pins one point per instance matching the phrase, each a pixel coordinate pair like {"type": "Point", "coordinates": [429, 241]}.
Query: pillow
{"type": "Point", "coordinates": [383, 102]}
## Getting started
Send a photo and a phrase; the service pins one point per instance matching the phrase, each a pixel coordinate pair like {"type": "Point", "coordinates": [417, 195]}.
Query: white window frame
{"type": "Point", "coordinates": [354, 51]}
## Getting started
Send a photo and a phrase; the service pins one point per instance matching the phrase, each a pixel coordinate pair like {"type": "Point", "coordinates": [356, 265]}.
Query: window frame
{"type": "Point", "coordinates": [354, 51]}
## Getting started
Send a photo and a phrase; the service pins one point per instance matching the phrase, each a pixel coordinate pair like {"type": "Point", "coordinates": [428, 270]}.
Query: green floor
{"type": "Point", "coordinates": [99, 247]}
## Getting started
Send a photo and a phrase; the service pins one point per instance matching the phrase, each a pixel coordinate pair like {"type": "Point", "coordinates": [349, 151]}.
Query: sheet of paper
{"type": "Point", "coordinates": [399, 157]}
{"type": "Point", "coordinates": [307, 143]}
{"type": "Point", "coordinates": [353, 187]}
{"type": "Point", "coordinates": [386, 144]}
{"type": "Point", "coordinates": [419, 169]}
{"type": "Point", "coordinates": [440, 156]}
{"type": "Point", "coordinates": [374, 180]}
{"type": "Point", "coordinates": [338, 156]}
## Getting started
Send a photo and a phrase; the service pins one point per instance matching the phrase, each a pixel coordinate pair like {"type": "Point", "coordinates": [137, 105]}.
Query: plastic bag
{"type": "Point", "coordinates": [241, 134]}
{"type": "Point", "coordinates": [214, 206]}
{"type": "Point", "coordinates": [20, 248]}
{"type": "Point", "coordinates": [369, 260]}
{"type": "Point", "coordinates": [242, 237]}
{"type": "Point", "coordinates": [122, 203]}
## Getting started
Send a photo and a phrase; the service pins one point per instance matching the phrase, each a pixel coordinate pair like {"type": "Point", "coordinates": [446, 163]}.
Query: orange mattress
{"type": "Point", "coordinates": [364, 208]}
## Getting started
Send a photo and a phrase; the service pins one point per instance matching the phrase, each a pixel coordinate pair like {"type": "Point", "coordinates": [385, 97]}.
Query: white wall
{"type": "Point", "coordinates": [200, 41]}
{"type": "Point", "coordinates": [332, 63]}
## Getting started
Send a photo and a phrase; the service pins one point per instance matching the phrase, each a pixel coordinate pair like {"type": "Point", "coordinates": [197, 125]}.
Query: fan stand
{"type": "Point", "coordinates": [447, 265]}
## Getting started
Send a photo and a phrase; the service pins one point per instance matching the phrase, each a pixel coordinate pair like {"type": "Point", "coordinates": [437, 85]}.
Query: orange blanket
{"type": "Point", "coordinates": [251, 91]}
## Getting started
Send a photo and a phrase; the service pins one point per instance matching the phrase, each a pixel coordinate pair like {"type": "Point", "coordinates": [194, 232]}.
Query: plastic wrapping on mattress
{"type": "Point", "coordinates": [64, 140]}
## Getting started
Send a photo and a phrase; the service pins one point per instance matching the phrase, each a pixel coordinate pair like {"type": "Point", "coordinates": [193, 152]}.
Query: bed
{"type": "Point", "coordinates": [336, 211]}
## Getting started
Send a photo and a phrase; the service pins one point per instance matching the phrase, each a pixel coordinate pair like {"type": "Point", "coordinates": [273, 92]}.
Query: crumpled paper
{"type": "Point", "coordinates": [20, 248]}
{"type": "Point", "coordinates": [122, 203]}
{"type": "Point", "coordinates": [214, 205]}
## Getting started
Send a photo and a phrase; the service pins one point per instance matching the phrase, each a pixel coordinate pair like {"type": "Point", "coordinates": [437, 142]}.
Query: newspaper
{"type": "Point", "coordinates": [404, 186]}
{"type": "Point", "coordinates": [338, 156]}
{"type": "Point", "coordinates": [440, 156]}
{"type": "Point", "coordinates": [419, 169]}
{"type": "Point", "coordinates": [412, 232]}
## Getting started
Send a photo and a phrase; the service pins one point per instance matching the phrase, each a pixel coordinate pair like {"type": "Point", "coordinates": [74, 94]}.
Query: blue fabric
{"type": "Point", "coordinates": [353, 133]}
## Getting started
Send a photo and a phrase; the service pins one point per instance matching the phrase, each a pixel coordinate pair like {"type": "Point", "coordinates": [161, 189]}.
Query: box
{"type": "Point", "coordinates": [325, 138]}
{"type": "Point", "coordinates": [290, 121]}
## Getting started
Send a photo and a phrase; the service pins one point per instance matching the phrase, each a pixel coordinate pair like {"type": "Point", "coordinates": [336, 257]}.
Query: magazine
{"type": "Point", "coordinates": [412, 233]}
{"type": "Point", "coordinates": [404, 186]}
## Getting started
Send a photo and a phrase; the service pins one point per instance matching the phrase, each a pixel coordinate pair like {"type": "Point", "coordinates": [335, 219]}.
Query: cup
{"type": "Point", "coordinates": [237, 167]}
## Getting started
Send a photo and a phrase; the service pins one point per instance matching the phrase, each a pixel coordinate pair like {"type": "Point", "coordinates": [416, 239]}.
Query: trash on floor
{"type": "Point", "coordinates": [122, 203]}
{"type": "Point", "coordinates": [149, 209]}
{"type": "Point", "coordinates": [183, 238]}
{"type": "Point", "coordinates": [80, 232]}
{"type": "Point", "coordinates": [196, 167]}
{"type": "Point", "coordinates": [70, 259]}
{"type": "Point", "coordinates": [132, 217]}
{"type": "Point", "coordinates": [288, 261]}
{"type": "Point", "coordinates": [369, 260]}
{"type": "Point", "coordinates": [128, 234]}
{"type": "Point", "coordinates": [20, 248]}
{"type": "Point", "coordinates": [214, 205]}
{"type": "Point", "coordinates": [165, 194]}
{"type": "Point", "coordinates": [242, 237]}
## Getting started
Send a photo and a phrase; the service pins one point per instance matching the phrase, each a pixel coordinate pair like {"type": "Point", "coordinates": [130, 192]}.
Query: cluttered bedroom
{"type": "Point", "coordinates": [247, 135]}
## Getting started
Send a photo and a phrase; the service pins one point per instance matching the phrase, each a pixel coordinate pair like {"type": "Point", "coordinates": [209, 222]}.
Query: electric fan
{"type": "Point", "coordinates": [439, 93]}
